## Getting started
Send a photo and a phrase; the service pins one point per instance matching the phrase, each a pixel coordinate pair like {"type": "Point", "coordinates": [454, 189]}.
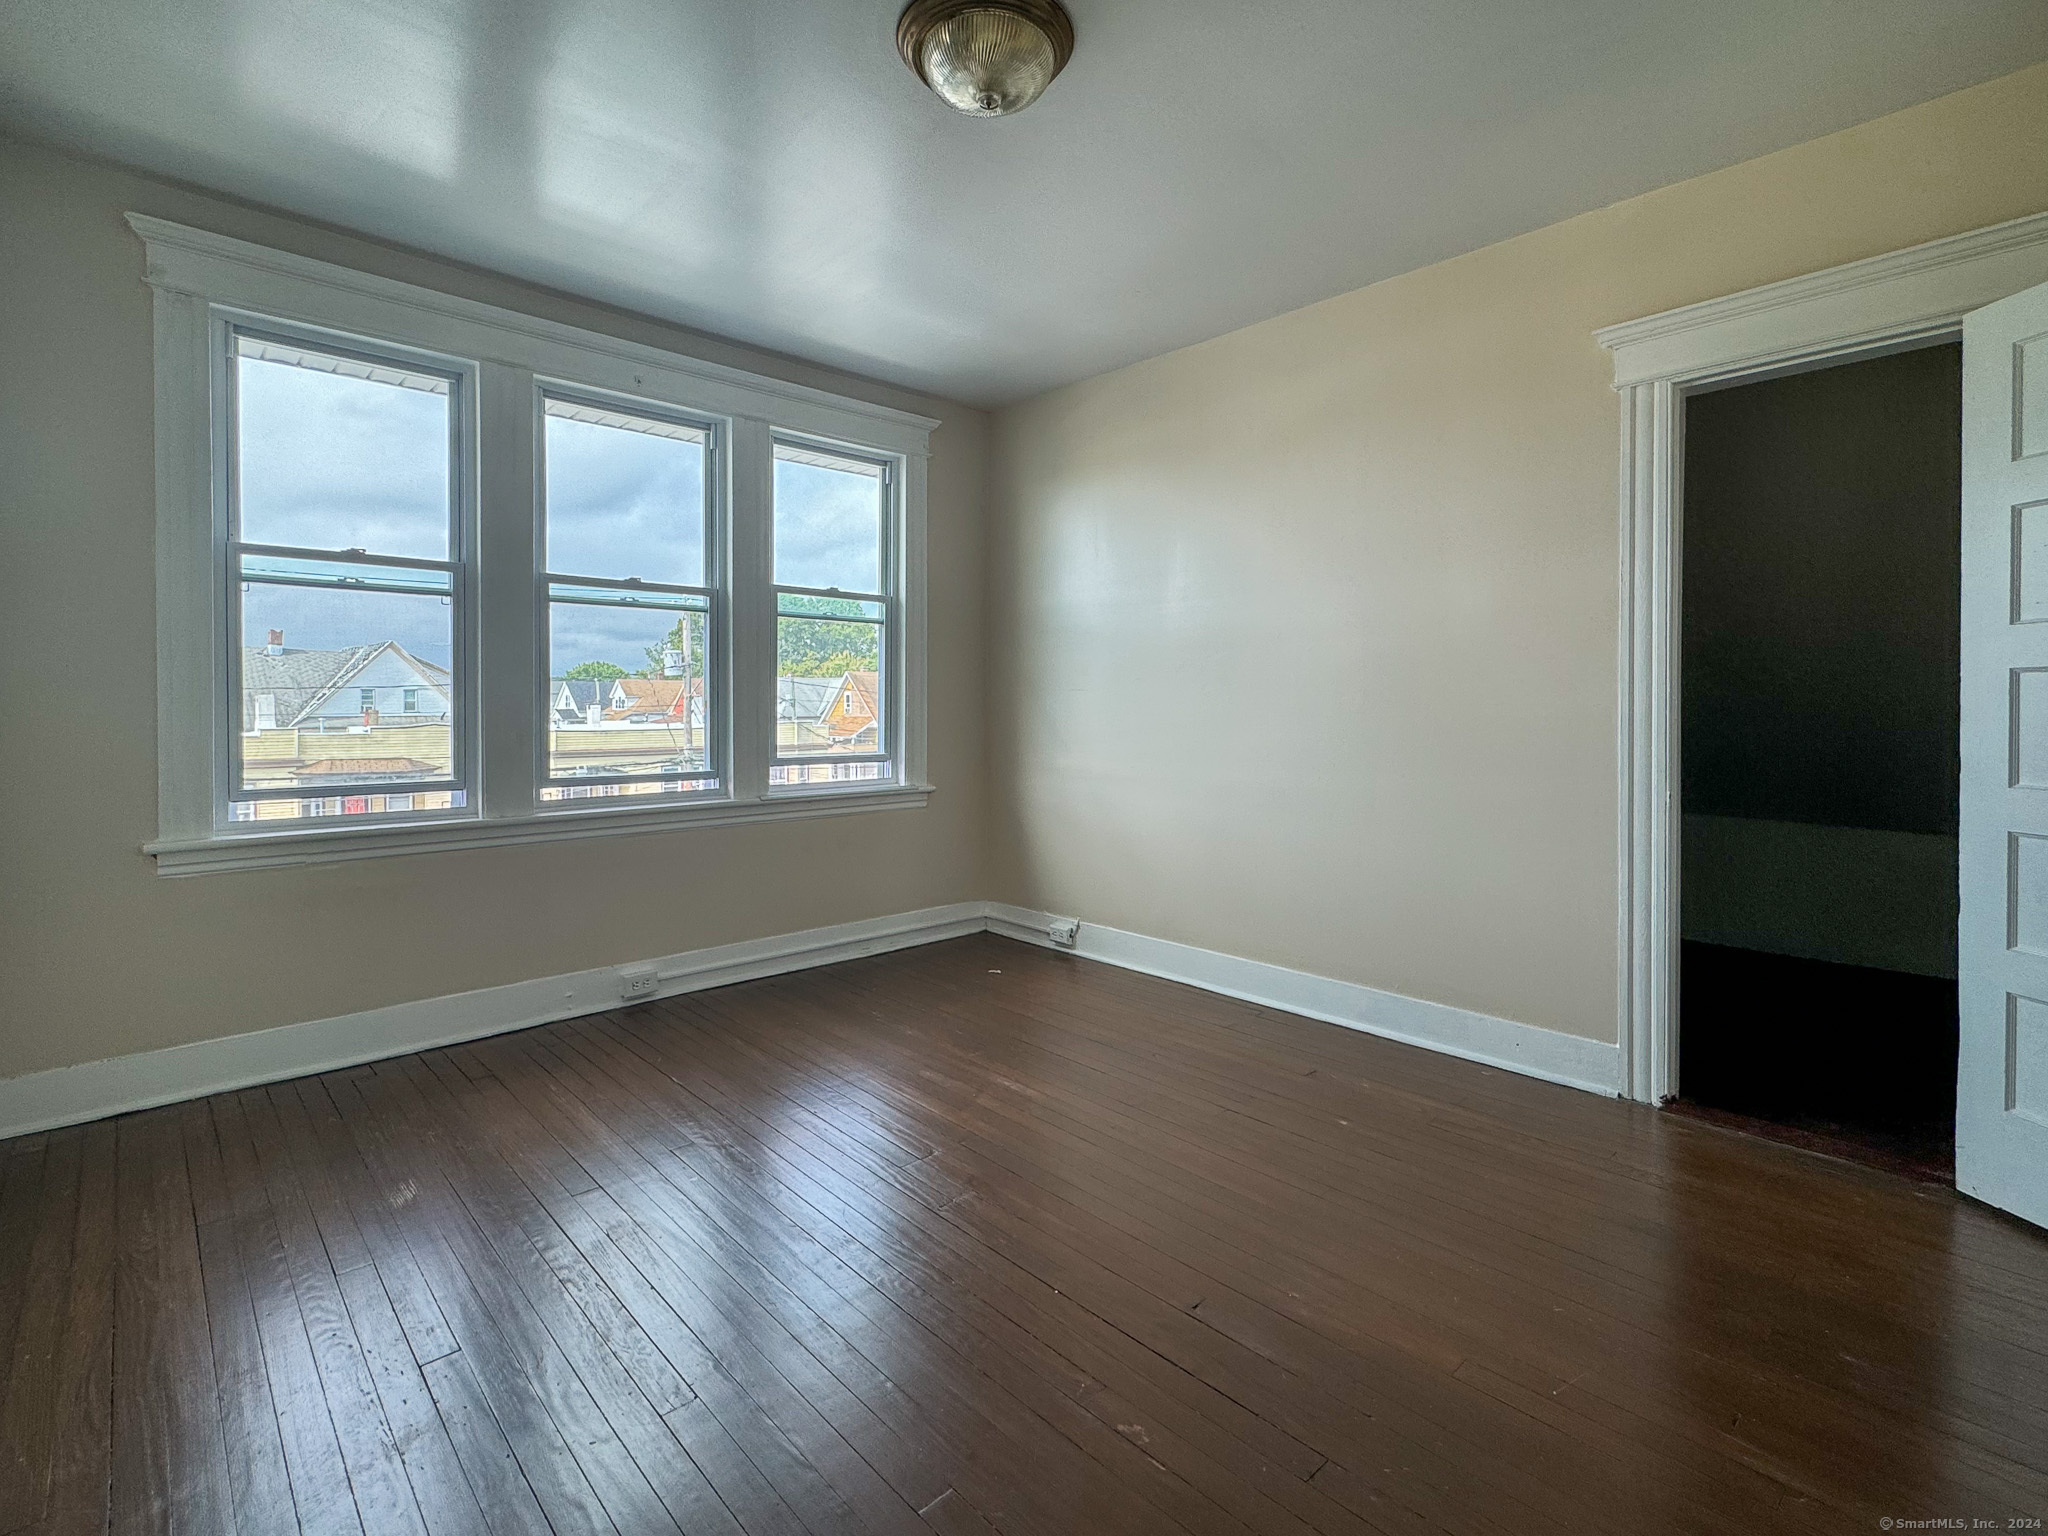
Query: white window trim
{"type": "Point", "coordinates": [197, 277]}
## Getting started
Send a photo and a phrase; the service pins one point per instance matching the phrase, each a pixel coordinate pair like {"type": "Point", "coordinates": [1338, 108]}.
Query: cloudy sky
{"type": "Point", "coordinates": [331, 462]}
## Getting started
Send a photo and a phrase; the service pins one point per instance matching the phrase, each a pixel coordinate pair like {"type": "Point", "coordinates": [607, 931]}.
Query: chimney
{"type": "Point", "coordinates": [276, 645]}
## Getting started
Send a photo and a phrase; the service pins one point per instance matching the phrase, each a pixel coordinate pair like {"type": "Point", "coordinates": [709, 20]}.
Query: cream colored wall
{"type": "Point", "coordinates": [1304, 639]}
{"type": "Point", "coordinates": [98, 955]}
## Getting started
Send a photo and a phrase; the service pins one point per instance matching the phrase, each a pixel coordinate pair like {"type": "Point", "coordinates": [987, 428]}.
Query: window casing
{"type": "Point", "coordinates": [463, 726]}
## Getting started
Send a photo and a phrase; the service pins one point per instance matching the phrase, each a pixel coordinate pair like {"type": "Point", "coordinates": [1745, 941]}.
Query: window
{"type": "Point", "coordinates": [344, 548]}
{"type": "Point", "coordinates": [702, 600]}
{"type": "Point", "coordinates": [833, 559]}
{"type": "Point", "coordinates": [628, 559]}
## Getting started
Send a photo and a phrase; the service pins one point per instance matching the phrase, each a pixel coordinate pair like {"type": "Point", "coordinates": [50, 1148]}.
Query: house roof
{"type": "Point", "coordinates": [864, 687]}
{"type": "Point", "coordinates": [296, 670]}
{"type": "Point", "coordinates": [582, 691]}
{"type": "Point", "coordinates": [646, 691]}
{"type": "Point", "coordinates": [653, 695]}
{"type": "Point", "coordinates": [302, 680]}
{"type": "Point", "coordinates": [804, 698]}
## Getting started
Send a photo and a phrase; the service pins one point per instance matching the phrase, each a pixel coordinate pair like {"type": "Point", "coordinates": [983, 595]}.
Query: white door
{"type": "Point", "coordinates": [2002, 1082]}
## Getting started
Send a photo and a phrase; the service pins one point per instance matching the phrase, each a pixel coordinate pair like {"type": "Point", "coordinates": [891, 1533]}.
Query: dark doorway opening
{"type": "Point", "coordinates": [1821, 628]}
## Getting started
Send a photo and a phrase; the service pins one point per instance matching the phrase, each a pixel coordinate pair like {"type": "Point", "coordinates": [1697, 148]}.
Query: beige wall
{"type": "Point", "coordinates": [98, 955]}
{"type": "Point", "coordinates": [1301, 642]}
{"type": "Point", "coordinates": [1304, 639]}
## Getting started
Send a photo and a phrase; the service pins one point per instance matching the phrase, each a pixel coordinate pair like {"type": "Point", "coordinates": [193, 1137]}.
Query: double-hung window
{"type": "Point", "coordinates": [833, 558]}
{"type": "Point", "coordinates": [630, 563]}
{"type": "Point", "coordinates": [435, 574]}
{"type": "Point", "coordinates": [345, 576]}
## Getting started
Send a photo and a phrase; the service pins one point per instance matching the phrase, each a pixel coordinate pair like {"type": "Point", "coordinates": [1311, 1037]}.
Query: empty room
{"type": "Point", "coordinates": [820, 767]}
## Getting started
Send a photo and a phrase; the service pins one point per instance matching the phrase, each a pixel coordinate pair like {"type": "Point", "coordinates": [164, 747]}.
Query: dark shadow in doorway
{"type": "Point", "coordinates": [1843, 1059]}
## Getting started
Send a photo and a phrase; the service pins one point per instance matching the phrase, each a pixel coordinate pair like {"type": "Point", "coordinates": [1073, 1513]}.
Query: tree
{"type": "Point", "coordinates": [821, 647]}
{"type": "Point", "coordinates": [596, 671]}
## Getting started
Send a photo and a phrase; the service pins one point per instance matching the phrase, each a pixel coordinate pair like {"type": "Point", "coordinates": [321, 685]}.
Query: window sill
{"type": "Point", "coordinates": [270, 850]}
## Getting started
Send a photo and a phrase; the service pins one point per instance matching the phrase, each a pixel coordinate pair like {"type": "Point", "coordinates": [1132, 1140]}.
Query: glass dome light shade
{"type": "Point", "coordinates": [986, 58]}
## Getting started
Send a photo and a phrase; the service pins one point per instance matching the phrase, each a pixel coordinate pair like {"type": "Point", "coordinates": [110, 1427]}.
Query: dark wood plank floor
{"type": "Point", "coordinates": [982, 1238]}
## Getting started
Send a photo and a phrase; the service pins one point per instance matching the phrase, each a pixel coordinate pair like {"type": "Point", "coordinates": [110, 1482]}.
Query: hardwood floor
{"type": "Point", "coordinates": [981, 1238]}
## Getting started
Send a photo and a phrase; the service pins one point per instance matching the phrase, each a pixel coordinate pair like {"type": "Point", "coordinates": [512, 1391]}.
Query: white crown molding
{"type": "Point", "coordinates": [1899, 298]}
{"type": "Point", "coordinates": [1556, 1057]}
{"type": "Point", "coordinates": [40, 1101]}
{"type": "Point", "coordinates": [191, 261]}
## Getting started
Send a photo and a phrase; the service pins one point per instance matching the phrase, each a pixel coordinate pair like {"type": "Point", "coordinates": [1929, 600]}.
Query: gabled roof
{"type": "Point", "coordinates": [298, 671]}
{"type": "Point", "coordinates": [865, 688]}
{"type": "Point", "coordinates": [295, 678]}
{"type": "Point", "coordinates": [652, 695]}
{"type": "Point", "coordinates": [581, 692]}
{"type": "Point", "coordinates": [804, 698]}
{"type": "Point", "coordinates": [303, 680]}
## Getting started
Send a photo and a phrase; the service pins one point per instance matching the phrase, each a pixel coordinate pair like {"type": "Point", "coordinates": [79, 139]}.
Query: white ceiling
{"type": "Point", "coordinates": [768, 169]}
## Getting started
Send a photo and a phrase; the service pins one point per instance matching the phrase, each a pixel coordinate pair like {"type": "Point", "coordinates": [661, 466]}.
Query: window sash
{"type": "Point", "coordinates": [705, 602]}
{"type": "Point", "coordinates": [634, 593]}
{"type": "Point", "coordinates": [233, 555]}
{"type": "Point", "coordinates": [890, 645]}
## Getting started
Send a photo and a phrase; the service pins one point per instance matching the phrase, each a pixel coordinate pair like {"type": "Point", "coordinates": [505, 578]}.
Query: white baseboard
{"type": "Point", "coordinates": [41, 1101]}
{"type": "Point", "coordinates": [1576, 1062]}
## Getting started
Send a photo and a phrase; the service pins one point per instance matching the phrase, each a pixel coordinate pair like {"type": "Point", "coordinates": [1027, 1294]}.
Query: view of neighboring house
{"type": "Point", "coordinates": [607, 727]}
{"type": "Point", "coordinates": [373, 718]}
{"type": "Point", "coordinates": [853, 720]}
{"type": "Point", "coordinates": [578, 700]}
{"type": "Point", "coordinates": [359, 716]}
{"type": "Point", "coordinates": [588, 701]}
{"type": "Point", "coordinates": [656, 700]}
{"type": "Point", "coordinates": [827, 716]}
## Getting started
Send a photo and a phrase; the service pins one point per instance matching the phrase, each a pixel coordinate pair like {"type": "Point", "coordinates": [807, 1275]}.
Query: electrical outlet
{"type": "Point", "coordinates": [638, 981]}
{"type": "Point", "coordinates": [1065, 931]}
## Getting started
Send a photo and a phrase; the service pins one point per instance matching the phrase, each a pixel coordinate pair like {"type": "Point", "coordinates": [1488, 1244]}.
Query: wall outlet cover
{"type": "Point", "coordinates": [638, 981]}
{"type": "Point", "coordinates": [1065, 931]}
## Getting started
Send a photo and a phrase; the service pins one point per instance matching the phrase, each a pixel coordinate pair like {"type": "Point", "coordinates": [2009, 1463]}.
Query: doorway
{"type": "Point", "coordinates": [1819, 762]}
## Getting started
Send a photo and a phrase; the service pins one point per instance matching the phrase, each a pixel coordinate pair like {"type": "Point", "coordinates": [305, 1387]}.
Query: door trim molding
{"type": "Point", "coordinates": [1889, 303]}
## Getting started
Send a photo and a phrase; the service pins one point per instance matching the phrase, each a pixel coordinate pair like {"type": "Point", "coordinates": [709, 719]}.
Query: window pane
{"type": "Point", "coordinates": [294, 571]}
{"type": "Point", "coordinates": [367, 802]}
{"type": "Point", "coordinates": [827, 772]}
{"type": "Point", "coordinates": [335, 453]}
{"type": "Point", "coordinates": [625, 495]}
{"type": "Point", "coordinates": [805, 605]}
{"type": "Point", "coordinates": [626, 696]}
{"type": "Point", "coordinates": [326, 675]}
{"type": "Point", "coordinates": [828, 520]}
{"type": "Point", "coordinates": [828, 686]}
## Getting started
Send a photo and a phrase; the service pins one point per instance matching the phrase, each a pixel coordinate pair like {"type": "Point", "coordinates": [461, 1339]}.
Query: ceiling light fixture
{"type": "Point", "coordinates": [986, 58]}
